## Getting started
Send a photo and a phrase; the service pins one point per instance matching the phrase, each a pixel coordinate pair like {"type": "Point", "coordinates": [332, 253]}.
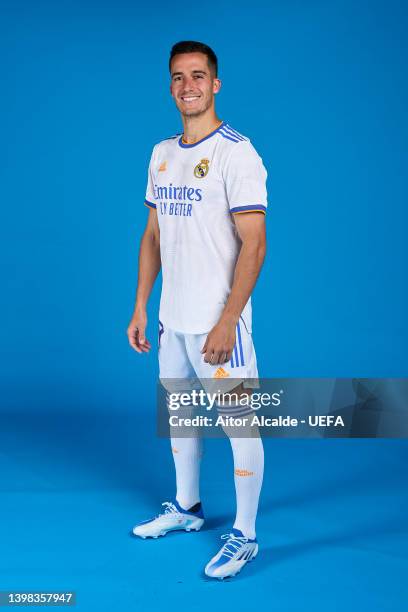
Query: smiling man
{"type": "Point", "coordinates": [206, 196]}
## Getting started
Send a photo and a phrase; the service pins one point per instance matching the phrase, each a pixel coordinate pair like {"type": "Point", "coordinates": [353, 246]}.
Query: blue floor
{"type": "Point", "coordinates": [332, 526]}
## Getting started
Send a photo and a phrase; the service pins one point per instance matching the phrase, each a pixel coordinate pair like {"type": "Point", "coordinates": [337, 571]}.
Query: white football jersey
{"type": "Point", "coordinates": [196, 189]}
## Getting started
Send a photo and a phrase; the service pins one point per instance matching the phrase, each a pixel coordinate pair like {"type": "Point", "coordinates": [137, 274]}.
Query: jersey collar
{"type": "Point", "coordinates": [194, 144]}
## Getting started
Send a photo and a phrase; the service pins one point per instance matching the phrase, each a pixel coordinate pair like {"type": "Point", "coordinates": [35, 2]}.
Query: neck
{"type": "Point", "coordinates": [196, 128]}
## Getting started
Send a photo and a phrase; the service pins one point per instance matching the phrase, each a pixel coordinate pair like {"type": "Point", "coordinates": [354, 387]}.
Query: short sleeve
{"type": "Point", "coordinates": [150, 199]}
{"type": "Point", "coordinates": [245, 180]}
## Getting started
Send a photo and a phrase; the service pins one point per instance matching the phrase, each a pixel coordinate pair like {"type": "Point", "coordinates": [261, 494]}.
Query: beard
{"type": "Point", "coordinates": [193, 113]}
{"type": "Point", "coordinates": [197, 112]}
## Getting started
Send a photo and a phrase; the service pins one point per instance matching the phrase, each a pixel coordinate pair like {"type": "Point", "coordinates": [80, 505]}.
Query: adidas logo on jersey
{"type": "Point", "coordinates": [163, 166]}
{"type": "Point", "coordinates": [221, 373]}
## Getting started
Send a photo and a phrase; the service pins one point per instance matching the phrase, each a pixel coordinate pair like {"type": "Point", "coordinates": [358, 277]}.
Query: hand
{"type": "Point", "coordinates": [220, 343]}
{"type": "Point", "coordinates": [136, 332]}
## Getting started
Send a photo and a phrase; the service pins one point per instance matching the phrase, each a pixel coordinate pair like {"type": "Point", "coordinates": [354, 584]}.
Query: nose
{"type": "Point", "coordinates": [188, 84]}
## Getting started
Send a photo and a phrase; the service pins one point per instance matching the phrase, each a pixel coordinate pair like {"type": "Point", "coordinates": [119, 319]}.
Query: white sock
{"type": "Point", "coordinates": [187, 453]}
{"type": "Point", "coordinates": [248, 474]}
{"type": "Point", "coordinates": [248, 457]}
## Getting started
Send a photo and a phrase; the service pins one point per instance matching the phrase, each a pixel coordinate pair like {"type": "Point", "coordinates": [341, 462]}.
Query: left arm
{"type": "Point", "coordinates": [220, 341]}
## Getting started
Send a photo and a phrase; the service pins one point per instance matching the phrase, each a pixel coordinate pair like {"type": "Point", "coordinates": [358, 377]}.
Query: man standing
{"type": "Point", "coordinates": [206, 196]}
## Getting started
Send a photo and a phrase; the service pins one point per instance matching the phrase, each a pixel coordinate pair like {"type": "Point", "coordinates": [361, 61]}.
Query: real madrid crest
{"type": "Point", "coordinates": [201, 169]}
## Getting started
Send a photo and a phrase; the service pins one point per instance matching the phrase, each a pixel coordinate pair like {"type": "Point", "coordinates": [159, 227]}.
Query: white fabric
{"type": "Point", "coordinates": [181, 360]}
{"type": "Point", "coordinates": [187, 454]}
{"type": "Point", "coordinates": [194, 189]}
{"type": "Point", "coordinates": [182, 367]}
{"type": "Point", "coordinates": [248, 475]}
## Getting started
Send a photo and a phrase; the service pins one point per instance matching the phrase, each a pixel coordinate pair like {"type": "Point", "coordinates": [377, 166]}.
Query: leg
{"type": "Point", "coordinates": [175, 374]}
{"type": "Point", "coordinates": [184, 513]}
{"type": "Point", "coordinates": [248, 454]}
{"type": "Point", "coordinates": [187, 453]}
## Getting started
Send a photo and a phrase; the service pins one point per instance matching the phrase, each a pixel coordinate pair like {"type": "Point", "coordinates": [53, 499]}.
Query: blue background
{"type": "Point", "coordinates": [320, 88]}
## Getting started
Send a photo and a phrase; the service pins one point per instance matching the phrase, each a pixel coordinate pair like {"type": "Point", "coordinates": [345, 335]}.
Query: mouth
{"type": "Point", "coordinates": [189, 99]}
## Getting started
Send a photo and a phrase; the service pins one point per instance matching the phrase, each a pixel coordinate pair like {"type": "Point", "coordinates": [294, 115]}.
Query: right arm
{"type": "Point", "coordinates": [149, 267]}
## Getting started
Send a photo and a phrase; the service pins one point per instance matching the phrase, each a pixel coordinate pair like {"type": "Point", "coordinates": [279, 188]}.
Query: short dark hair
{"type": "Point", "coordinates": [192, 46]}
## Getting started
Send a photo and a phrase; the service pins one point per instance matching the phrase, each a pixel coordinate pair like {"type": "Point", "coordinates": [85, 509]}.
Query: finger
{"type": "Point", "coordinates": [224, 357]}
{"type": "Point", "coordinates": [217, 358]}
{"type": "Point", "coordinates": [136, 348]}
{"type": "Point", "coordinates": [141, 335]}
{"type": "Point", "coordinates": [145, 346]}
{"type": "Point", "coordinates": [208, 357]}
{"type": "Point", "coordinates": [144, 349]}
{"type": "Point", "coordinates": [132, 339]}
{"type": "Point", "coordinates": [204, 349]}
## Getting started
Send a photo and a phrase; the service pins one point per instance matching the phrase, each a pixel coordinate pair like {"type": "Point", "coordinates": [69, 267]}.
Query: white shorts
{"type": "Point", "coordinates": [181, 360]}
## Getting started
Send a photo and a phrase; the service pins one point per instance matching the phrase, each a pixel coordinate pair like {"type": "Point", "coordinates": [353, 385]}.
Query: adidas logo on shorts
{"type": "Point", "coordinates": [221, 373]}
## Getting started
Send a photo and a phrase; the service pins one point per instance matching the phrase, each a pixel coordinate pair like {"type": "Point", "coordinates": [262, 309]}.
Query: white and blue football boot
{"type": "Point", "coordinates": [236, 552]}
{"type": "Point", "coordinates": [173, 518]}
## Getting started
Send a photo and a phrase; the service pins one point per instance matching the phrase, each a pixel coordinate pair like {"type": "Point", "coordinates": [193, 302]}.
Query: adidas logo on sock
{"type": "Point", "coordinates": [243, 473]}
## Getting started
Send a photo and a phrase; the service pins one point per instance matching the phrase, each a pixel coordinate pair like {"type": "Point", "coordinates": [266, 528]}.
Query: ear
{"type": "Point", "coordinates": [216, 86]}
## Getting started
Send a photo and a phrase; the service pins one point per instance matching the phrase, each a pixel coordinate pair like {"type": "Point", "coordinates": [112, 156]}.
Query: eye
{"type": "Point", "coordinates": [198, 76]}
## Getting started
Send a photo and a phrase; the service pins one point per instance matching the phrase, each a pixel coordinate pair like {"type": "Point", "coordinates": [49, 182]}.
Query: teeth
{"type": "Point", "coordinates": [190, 99]}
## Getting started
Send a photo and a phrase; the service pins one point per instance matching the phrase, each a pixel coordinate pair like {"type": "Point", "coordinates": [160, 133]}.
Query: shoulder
{"type": "Point", "coordinates": [231, 135]}
{"type": "Point", "coordinates": [170, 140]}
{"type": "Point", "coordinates": [236, 147]}
{"type": "Point", "coordinates": [164, 144]}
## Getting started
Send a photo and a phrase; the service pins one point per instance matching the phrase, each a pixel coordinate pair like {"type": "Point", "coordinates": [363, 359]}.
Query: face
{"type": "Point", "coordinates": [192, 84]}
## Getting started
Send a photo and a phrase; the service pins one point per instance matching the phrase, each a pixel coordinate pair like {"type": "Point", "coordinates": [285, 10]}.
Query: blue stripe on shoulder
{"type": "Point", "coordinates": [235, 132]}
{"type": "Point", "coordinates": [228, 137]}
{"type": "Point", "coordinates": [231, 132]}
